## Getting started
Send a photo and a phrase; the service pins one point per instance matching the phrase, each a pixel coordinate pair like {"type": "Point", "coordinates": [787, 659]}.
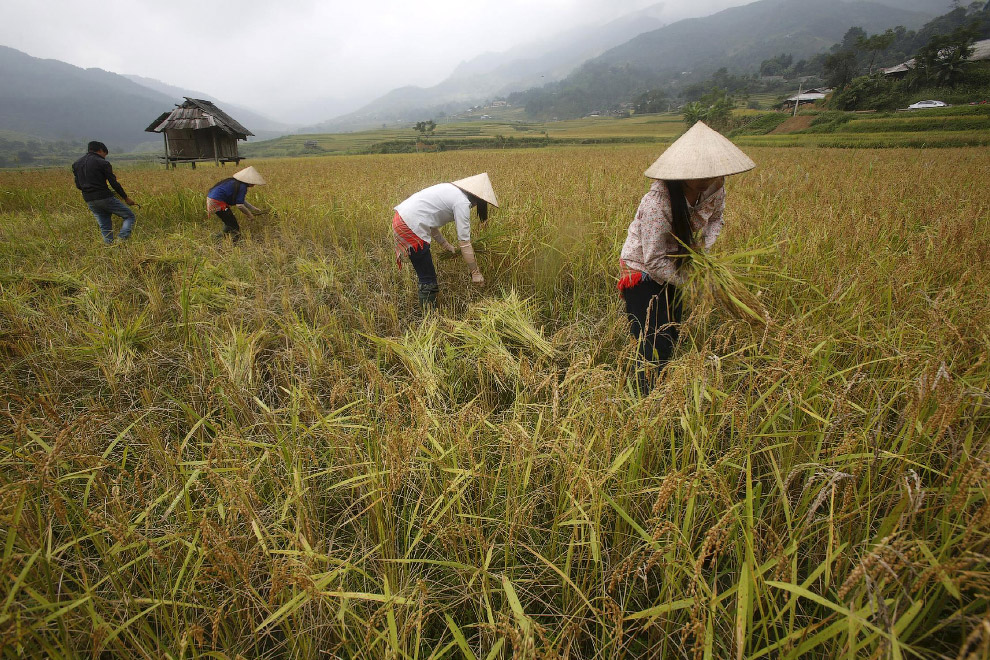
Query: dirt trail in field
{"type": "Point", "coordinates": [793, 124]}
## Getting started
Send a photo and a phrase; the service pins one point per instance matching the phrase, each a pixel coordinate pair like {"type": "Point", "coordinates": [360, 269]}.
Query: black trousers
{"type": "Point", "coordinates": [422, 262]}
{"type": "Point", "coordinates": [654, 312]}
{"type": "Point", "coordinates": [230, 225]}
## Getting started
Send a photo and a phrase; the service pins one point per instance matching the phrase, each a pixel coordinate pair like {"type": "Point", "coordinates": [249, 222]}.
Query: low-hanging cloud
{"type": "Point", "coordinates": [273, 55]}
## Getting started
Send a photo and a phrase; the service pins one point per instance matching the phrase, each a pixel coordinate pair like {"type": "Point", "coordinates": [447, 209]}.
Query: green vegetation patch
{"type": "Point", "coordinates": [760, 124]}
{"type": "Point", "coordinates": [914, 123]}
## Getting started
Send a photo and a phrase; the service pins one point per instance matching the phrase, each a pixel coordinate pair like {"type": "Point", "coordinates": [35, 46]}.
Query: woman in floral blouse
{"type": "Point", "coordinates": [683, 208]}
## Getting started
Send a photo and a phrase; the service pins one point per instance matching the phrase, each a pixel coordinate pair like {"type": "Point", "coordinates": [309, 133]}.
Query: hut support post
{"type": "Point", "coordinates": [216, 154]}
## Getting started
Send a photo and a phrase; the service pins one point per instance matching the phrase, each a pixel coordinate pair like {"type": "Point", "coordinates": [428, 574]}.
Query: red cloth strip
{"type": "Point", "coordinates": [628, 277]}
{"type": "Point", "coordinates": [405, 239]}
{"type": "Point", "coordinates": [214, 205]}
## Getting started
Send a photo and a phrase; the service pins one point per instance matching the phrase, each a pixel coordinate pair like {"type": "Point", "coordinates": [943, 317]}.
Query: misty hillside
{"type": "Point", "coordinates": [53, 100]}
{"type": "Point", "coordinates": [738, 39]}
{"type": "Point", "coordinates": [557, 55]}
{"type": "Point", "coordinates": [492, 75]}
{"type": "Point", "coordinates": [932, 7]}
{"type": "Point", "coordinates": [741, 37]}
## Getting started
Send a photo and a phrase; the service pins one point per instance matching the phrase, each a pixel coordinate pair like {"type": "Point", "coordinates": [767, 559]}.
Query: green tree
{"type": "Point", "coordinates": [652, 101]}
{"type": "Point", "coordinates": [426, 127]}
{"type": "Point", "coordinates": [876, 92]}
{"type": "Point", "coordinates": [693, 113]}
{"type": "Point", "coordinates": [850, 40]}
{"type": "Point", "coordinates": [776, 66]}
{"type": "Point", "coordinates": [714, 108]}
{"type": "Point", "coordinates": [876, 44]}
{"type": "Point", "coordinates": [942, 61]}
{"type": "Point", "coordinates": [839, 68]}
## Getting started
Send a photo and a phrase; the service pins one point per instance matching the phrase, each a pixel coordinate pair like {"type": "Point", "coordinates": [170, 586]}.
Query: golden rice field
{"type": "Point", "coordinates": [265, 451]}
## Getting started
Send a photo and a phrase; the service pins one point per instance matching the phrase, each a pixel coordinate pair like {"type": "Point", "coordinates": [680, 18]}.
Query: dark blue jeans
{"type": "Point", "coordinates": [104, 210]}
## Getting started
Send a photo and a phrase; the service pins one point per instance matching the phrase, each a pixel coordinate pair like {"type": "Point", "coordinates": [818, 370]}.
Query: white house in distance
{"type": "Point", "coordinates": [810, 96]}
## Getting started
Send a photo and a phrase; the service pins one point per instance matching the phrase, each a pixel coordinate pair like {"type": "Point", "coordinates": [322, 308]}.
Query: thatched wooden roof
{"type": "Point", "coordinates": [196, 114]}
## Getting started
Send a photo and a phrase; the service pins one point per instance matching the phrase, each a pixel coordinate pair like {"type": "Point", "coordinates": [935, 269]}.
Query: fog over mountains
{"type": "Point", "coordinates": [54, 100]}
{"type": "Point", "coordinates": [737, 37]}
{"type": "Point", "coordinates": [498, 74]}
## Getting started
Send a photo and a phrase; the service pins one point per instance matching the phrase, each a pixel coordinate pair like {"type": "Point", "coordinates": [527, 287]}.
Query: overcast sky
{"type": "Point", "coordinates": [270, 54]}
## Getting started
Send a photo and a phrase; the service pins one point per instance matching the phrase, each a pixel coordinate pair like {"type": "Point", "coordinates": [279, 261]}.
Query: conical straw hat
{"type": "Point", "coordinates": [250, 175]}
{"type": "Point", "coordinates": [480, 186]}
{"type": "Point", "coordinates": [700, 153]}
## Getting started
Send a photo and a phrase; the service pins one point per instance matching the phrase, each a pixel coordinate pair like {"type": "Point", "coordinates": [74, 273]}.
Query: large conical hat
{"type": "Point", "coordinates": [480, 186]}
{"type": "Point", "coordinates": [250, 175]}
{"type": "Point", "coordinates": [700, 153]}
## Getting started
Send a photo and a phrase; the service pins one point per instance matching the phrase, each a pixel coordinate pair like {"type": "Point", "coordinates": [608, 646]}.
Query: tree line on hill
{"type": "Point", "coordinates": [30, 152]}
{"type": "Point", "coordinates": [941, 68]}
{"type": "Point", "coordinates": [851, 66]}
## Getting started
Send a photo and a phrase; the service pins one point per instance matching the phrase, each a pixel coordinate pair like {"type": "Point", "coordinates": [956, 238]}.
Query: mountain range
{"type": "Point", "coordinates": [737, 37]}
{"type": "Point", "coordinates": [53, 100]}
{"type": "Point", "coordinates": [492, 75]}
{"type": "Point", "coordinates": [50, 99]}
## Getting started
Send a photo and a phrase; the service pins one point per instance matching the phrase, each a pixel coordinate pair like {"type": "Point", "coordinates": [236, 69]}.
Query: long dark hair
{"type": "Point", "coordinates": [680, 221]}
{"type": "Point", "coordinates": [481, 205]}
{"type": "Point", "coordinates": [222, 181]}
{"type": "Point", "coordinates": [237, 185]}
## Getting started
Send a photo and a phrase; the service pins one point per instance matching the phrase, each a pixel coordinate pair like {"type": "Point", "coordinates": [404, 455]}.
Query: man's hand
{"type": "Point", "coordinates": [451, 249]}
{"type": "Point", "coordinates": [130, 202]}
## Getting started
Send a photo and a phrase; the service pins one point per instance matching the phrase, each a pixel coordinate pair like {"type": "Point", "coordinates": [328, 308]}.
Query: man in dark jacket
{"type": "Point", "coordinates": [93, 172]}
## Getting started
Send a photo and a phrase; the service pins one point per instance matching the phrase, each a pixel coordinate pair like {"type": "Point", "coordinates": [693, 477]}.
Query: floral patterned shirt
{"type": "Point", "coordinates": [650, 239]}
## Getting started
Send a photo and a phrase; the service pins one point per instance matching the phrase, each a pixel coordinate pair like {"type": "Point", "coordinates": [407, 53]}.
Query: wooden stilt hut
{"type": "Point", "coordinates": [198, 131]}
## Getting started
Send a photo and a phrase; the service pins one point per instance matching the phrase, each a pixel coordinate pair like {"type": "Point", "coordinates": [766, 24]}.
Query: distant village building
{"type": "Point", "coordinates": [981, 52]}
{"type": "Point", "coordinates": [499, 104]}
{"type": "Point", "coordinates": [198, 131]}
{"type": "Point", "coordinates": [808, 97]}
{"type": "Point", "coordinates": [900, 70]}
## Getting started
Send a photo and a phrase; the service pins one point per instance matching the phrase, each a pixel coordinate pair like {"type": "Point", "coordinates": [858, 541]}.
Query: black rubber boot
{"type": "Point", "coordinates": [428, 296]}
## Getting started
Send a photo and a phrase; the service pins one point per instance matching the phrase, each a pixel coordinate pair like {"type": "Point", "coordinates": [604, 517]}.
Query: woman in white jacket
{"type": "Point", "coordinates": [417, 223]}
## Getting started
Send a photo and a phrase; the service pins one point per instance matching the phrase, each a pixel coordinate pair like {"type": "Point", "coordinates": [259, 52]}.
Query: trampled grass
{"type": "Point", "coordinates": [265, 451]}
